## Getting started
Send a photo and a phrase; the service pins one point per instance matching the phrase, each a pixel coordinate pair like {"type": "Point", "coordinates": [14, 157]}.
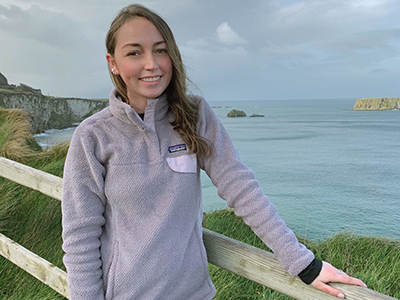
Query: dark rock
{"type": "Point", "coordinates": [3, 80]}
{"type": "Point", "coordinates": [236, 113]}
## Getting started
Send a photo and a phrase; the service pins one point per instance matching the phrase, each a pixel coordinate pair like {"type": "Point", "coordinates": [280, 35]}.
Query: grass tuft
{"type": "Point", "coordinates": [374, 260]}
{"type": "Point", "coordinates": [16, 139]}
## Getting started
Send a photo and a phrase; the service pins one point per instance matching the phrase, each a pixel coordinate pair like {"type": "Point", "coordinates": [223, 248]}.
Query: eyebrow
{"type": "Point", "coordinates": [139, 45]}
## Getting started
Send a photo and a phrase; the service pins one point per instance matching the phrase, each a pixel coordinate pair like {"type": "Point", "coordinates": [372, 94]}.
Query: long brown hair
{"type": "Point", "coordinates": [184, 110]}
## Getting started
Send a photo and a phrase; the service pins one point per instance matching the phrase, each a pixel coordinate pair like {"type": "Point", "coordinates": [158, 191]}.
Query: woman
{"type": "Point", "coordinates": [131, 204]}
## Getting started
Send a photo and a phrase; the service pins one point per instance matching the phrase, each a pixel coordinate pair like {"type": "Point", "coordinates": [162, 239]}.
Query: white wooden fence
{"type": "Point", "coordinates": [250, 262]}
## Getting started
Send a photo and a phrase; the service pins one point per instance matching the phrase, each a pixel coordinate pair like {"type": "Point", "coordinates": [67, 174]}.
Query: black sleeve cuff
{"type": "Point", "coordinates": [311, 272]}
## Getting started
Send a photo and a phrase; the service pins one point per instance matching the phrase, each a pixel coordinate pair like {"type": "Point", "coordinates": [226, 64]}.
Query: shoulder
{"type": "Point", "coordinates": [205, 113]}
{"type": "Point", "coordinates": [201, 102]}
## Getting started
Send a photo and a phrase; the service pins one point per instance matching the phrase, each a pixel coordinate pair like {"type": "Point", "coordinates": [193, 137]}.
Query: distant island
{"type": "Point", "coordinates": [234, 113]}
{"type": "Point", "coordinates": [377, 104]}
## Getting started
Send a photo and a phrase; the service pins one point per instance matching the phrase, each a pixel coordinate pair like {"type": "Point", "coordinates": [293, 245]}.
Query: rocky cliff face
{"type": "Point", "coordinates": [3, 80]}
{"type": "Point", "coordinates": [49, 112]}
{"type": "Point", "coordinates": [377, 104]}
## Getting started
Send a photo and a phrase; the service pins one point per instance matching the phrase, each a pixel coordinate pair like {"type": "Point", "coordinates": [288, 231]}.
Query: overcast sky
{"type": "Point", "coordinates": [232, 49]}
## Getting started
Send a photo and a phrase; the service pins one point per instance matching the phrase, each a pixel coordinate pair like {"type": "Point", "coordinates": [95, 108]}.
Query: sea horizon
{"type": "Point", "coordinates": [325, 167]}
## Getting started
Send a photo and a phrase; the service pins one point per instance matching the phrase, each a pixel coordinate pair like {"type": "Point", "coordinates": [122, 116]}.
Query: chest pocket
{"type": "Point", "coordinates": [183, 164]}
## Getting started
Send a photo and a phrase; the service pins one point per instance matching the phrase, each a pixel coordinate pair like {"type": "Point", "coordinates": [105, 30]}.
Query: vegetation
{"type": "Point", "coordinates": [16, 139]}
{"type": "Point", "coordinates": [27, 216]}
{"type": "Point", "coordinates": [34, 221]}
{"type": "Point", "coordinates": [376, 261]}
{"type": "Point", "coordinates": [234, 113]}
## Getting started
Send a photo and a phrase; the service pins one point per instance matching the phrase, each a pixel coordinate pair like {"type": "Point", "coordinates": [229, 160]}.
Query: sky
{"type": "Point", "coordinates": [232, 49]}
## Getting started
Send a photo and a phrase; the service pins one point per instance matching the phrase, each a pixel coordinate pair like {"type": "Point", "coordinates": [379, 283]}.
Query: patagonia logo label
{"type": "Point", "coordinates": [177, 148]}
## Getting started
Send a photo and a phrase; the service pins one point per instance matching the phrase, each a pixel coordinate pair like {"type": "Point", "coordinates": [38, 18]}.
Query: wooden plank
{"type": "Point", "coordinates": [43, 182]}
{"type": "Point", "coordinates": [262, 267]}
{"type": "Point", "coordinates": [40, 268]}
{"type": "Point", "coordinates": [250, 262]}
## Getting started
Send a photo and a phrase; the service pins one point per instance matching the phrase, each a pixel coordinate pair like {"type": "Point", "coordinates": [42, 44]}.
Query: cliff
{"type": "Point", "coordinates": [377, 104]}
{"type": "Point", "coordinates": [3, 80]}
{"type": "Point", "coordinates": [49, 112]}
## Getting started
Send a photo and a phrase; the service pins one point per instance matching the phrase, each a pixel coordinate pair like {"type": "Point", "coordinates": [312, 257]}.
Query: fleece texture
{"type": "Point", "coordinates": [132, 206]}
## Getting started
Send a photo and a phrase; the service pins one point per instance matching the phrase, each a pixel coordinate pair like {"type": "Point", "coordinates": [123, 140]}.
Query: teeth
{"type": "Point", "coordinates": [150, 79]}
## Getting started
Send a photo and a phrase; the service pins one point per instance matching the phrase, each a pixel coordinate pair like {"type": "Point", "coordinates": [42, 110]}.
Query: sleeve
{"type": "Point", "coordinates": [237, 185]}
{"type": "Point", "coordinates": [82, 217]}
{"type": "Point", "coordinates": [309, 274]}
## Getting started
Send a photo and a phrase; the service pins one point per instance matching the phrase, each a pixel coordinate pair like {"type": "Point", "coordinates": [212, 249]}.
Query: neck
{"type": "Point", "coordinates": [138, 106]}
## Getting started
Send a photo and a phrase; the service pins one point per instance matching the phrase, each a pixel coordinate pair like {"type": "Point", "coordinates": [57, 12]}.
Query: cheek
{"type": "Point", "coordinates": [169, 71]}
{"type": "Point", "coordinates": [166, 65]}
{"type": "Point", "coordinates": [129, 72]}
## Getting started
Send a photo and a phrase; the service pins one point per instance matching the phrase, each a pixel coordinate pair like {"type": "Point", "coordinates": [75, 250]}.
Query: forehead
{"type": "Point", "coordinates": [138, 30]}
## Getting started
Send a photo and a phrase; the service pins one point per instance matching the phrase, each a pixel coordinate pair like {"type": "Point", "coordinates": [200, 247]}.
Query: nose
{"type": "Point", "coordinates": [150, 62]}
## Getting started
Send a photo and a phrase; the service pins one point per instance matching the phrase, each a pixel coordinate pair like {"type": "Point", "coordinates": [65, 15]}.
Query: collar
{"type": "Point", "coordinates": [156, 109]}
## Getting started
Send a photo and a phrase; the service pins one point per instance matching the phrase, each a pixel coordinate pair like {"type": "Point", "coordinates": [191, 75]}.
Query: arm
{"type": "Point", "coordinates": [82, 217]}
{"type": "Point", "coordinates": [237, 185]}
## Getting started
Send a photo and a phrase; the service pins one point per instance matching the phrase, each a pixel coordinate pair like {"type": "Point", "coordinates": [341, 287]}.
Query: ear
{"type": "Point", "coordinates": [112, 64]}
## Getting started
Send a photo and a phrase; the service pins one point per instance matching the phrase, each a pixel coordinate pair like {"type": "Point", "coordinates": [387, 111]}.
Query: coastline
{"type": "Point", "coordinates": [317, 156]}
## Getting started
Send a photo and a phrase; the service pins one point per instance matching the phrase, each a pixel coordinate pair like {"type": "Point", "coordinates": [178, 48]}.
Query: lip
{"type": "Point", "coordinates": [151, 79]}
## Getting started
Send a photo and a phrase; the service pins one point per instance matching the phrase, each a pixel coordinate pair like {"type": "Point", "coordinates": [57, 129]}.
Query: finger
{"type": "Point", "coordinates": [330, 290]}
{"type": "Point", "coordinates": [350, 280]}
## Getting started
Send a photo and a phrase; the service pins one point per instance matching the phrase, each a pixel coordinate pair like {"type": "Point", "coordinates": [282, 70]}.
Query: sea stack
{"type": "Point", "coordinates": [236, 113]}
{"type": "Point", "coordinates": [377, 104]}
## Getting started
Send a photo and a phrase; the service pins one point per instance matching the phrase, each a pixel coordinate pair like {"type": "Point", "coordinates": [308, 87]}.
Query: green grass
{"type": "Point", "coordinates": [34, 221]}
{"type": "Point", "coordinates": [376, 261]}
{"type": "Point", "coordinates": [27, 216]}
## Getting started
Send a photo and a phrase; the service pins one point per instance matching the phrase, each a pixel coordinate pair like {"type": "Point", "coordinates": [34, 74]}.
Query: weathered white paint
{"type": "Point", "coordinates": [43, 182]}
{"type": "Point", "coordinates": [247, 261]}
{"type": "Point", "coordinates": [40, 268]}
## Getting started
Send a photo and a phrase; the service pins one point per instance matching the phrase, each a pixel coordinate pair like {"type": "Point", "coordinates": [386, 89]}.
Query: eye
{"type": "Point", "coordinates": [162, 51]}
{"type": "Point", "coordinates": [133, 53]}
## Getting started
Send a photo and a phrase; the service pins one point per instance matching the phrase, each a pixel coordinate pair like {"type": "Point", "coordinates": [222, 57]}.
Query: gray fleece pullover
{"type": "Point", "coordinates": [132, 206]}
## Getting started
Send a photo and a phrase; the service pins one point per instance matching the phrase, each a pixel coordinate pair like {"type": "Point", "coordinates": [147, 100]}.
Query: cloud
{"type": "Point", "coordinates": [38, 24]}
{"type": "Point", "coordinates": [379, 71]}
{"type": "Point", "coordinates": [233, 49]}
{"type": "Point", "coordinates": [227, 36]}
{"type": "Point", "coordinates": [216, 60]}
{"type": "Point", "coordinates": [50, 50]}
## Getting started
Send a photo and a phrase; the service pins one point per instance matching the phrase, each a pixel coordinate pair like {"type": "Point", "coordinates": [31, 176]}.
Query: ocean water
{"type": "Point", "coordinates": [325, 167]}
{"type": "Point", "coordinates": [52, 137]}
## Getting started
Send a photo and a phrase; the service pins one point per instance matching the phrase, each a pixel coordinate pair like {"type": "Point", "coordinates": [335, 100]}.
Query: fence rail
{"type": "Point", "coordinates": [247, 261]}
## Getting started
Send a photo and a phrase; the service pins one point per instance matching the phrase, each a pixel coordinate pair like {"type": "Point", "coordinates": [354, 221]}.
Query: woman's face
{"type": "Point", "coordinates": [142, 60]}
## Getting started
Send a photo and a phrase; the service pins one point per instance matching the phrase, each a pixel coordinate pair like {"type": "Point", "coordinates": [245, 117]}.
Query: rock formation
{"type": "Point", "coordinates": [3, 80]}
{"type": "Point", "coordinates": [49, 112]}
{"type": "Point", "coordinates": [236, 113]}
{"type": "Point", "coordinates": [46, 112]}
{"type": "Point", "coordinates": [377, 104]}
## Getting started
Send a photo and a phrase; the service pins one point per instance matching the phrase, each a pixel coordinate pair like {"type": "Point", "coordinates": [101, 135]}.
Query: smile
{"type": "Point", "coordinates": [150, 79]}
